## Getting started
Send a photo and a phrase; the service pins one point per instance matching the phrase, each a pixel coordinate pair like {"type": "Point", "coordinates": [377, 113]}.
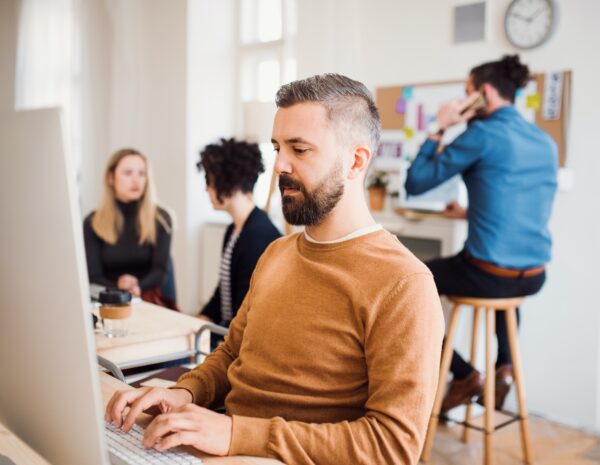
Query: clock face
{"type": "Point", "coordinates": [528, 23]}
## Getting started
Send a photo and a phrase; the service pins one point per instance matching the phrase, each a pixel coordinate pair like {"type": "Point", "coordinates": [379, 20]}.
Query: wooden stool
{"type": "Point", "coordinates": [490, 306]}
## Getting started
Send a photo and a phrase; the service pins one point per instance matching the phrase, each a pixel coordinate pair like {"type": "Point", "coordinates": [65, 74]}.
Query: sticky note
{"type": "Point", "coordinates": [409, 133]}
{"type": "Point", "coordinates": [533, 101]}
{"type": "Point", "coordinates": [400, 106]}
{"type": "Point", "coordinates": [407, 93]}
{"type": "Point", "coordinates": [518, 92]}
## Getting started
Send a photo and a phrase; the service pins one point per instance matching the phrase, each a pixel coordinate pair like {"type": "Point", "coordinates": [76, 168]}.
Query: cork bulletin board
{"type": "Point", "coordinates": [409, 108]}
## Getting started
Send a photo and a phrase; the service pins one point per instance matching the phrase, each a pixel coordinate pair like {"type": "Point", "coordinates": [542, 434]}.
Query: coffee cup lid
{"type": "Point", "coordinates": [115, 297]}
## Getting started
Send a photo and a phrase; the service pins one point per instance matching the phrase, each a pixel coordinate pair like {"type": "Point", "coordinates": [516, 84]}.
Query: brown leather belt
{"type": "Point", "coordinates": [504, 272]}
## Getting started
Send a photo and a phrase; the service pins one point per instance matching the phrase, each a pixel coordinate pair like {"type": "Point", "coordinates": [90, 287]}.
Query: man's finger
{"type": "Point", "coordinates": [118, 402]}
{"type": "Point", "coordinates": [468, 115]}
{"type": "Point", "coordinates": [164, 424]}
{"type": "Point", "coordinates": [150, 398]}
{"type": "Point", "coordinates": [181, 438]}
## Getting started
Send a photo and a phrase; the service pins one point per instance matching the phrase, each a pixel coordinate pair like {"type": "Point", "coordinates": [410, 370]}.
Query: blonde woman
{"type": "Point", "coordinates": [127, 239]}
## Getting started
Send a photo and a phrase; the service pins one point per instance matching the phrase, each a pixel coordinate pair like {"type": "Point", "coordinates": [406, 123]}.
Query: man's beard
{"type": "Point", "coordinates": [310, 208]}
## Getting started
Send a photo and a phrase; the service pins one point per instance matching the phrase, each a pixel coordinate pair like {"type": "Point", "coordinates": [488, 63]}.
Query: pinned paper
{"type": "Point", "coordinates": [553, 83]}
{"type": "Point", "coordinates": [400, 106]}
{"type": "Point", "coordinates": [407, 93]}
{"type": "Point", "coordinates": [409, 133]}
{"type": "Point", "coordinates": [533, 101]}
{"type": "Point", "coordinates": [421, 118]}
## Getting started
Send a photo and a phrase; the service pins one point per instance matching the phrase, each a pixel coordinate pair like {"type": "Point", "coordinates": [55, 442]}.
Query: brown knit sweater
{"type": "Point", "coordinates": [333, 357]}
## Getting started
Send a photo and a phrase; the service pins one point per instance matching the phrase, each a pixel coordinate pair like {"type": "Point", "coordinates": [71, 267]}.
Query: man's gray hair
{"type": "Point", "coordinates": [349, 104]}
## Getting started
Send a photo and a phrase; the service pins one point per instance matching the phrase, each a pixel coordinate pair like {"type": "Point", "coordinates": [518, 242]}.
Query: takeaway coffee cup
{"type": "Point", "coordinates": [115, 310]}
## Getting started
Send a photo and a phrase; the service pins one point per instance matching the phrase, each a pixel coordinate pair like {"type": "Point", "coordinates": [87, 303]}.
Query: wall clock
{"type": "Point", "coordinates": [529, 23]}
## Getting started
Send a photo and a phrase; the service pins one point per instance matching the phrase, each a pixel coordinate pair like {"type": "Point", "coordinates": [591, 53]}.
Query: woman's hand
{"type": "Point", "coordinates": [128, 282]}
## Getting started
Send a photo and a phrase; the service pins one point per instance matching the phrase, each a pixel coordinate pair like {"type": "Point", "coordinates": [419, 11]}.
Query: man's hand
{"type": "Point", "coordinates": [449, 113]}
{"type": "Point", "coordinates": [454, 210]}
{"type": "Point", "coordinates": [190, 425]}
{"type": "Point", "coordinates": [141, 399]}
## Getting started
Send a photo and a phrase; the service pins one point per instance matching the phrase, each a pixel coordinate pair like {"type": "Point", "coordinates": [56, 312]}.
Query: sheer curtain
{"type": "Point", "coordinates": [48, 64]}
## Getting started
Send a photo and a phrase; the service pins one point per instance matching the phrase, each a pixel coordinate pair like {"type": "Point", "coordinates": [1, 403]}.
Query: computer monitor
{"type": "Point", "coordinates": [49, 384]}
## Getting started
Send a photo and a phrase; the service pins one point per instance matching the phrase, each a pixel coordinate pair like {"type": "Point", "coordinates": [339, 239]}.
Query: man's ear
{"type": "Point", "coordinates": [362, 157]}
{"type": "Point", "coordinates": [489, 92]}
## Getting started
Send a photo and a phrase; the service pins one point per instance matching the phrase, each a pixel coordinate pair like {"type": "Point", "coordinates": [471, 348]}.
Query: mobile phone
{"type": "Point", "coordinates": [478, 104]}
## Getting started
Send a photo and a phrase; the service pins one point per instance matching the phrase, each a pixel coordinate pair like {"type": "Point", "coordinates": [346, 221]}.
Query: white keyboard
{"type": "Point", "coordinates": [126, 449]}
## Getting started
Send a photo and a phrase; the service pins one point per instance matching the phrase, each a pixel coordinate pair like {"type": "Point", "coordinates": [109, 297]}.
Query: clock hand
{"type": "Point", "coordinates": [535, 15]}
{"type": "Point", "coordinates": [517, 15]}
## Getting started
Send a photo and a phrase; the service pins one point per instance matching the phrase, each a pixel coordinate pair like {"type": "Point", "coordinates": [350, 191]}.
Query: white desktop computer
{"type": "Point", "coordinates": [49, 383]}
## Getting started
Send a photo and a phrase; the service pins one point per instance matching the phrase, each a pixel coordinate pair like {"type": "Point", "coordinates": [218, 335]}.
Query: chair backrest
{"type": "Point", "coordinates": [168, 288]}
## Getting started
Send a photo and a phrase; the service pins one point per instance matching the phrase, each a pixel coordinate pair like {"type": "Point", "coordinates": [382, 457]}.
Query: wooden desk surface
{"type": "Point", "coordinates": [16, 450]}
{"type": "Point", "coordinates": [110, 385]}
{"type": "Point", "coordinates": [152, 331]}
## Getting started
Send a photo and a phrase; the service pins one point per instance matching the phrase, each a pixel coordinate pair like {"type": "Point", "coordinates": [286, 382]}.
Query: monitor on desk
{"type": "Point", "coordinates": [50, 390]}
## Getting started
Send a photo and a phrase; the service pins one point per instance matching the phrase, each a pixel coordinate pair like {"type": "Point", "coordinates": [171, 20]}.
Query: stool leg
{"type": "Point", "coordinates": [489, 389]}
{"type": "Point", "coordinates": [466, 430]}
{"type": "Point", "coordinates": [511, 324]}
{"type": "Point", "coordinates": [441, 388]}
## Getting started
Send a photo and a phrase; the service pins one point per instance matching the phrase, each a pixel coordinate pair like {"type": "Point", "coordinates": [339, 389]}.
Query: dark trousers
{"type": "Point", "coordinates": [458, 276]}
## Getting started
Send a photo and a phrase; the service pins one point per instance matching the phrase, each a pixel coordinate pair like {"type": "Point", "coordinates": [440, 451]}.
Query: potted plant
{"type": "Point", "coordinates": [376, 185]}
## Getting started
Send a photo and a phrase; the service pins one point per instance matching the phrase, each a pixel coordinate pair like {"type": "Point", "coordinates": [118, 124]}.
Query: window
{"type": "Point", "coordinates": [266, 60]}
{"type": "Point", "coordinates": [266, 47]}
{"type": "Point", "coordinates": [48, 66]}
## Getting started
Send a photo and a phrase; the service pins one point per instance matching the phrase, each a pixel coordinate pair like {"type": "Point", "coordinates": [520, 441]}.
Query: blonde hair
{"type": "Point", "coordinates": [108, 220]}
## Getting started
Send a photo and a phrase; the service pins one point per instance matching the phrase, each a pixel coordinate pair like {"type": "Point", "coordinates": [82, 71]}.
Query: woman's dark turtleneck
{"type": "Point", "coordinates": [129, 209]}
{"type": "Point", "coordinates": [147, 262]}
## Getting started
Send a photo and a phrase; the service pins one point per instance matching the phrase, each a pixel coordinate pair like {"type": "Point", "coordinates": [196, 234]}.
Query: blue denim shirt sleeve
{"type": "Point", "coordinates": [429, 169]}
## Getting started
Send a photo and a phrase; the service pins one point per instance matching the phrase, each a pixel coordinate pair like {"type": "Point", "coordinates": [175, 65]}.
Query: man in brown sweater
{"type": "Point", "coordinates": [333, 356]}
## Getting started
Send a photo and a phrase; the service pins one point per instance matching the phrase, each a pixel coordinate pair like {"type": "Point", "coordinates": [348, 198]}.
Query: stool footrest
{"type": "Point", "coordinates": [513, 418]}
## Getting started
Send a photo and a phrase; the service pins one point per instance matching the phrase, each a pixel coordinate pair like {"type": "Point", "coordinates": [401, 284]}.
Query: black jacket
{"type": "Point", "coordinates": [256, 235]}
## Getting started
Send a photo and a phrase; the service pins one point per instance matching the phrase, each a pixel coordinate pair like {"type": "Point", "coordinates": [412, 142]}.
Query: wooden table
{"type": "Point", "coordinates": [109, 385]}
{"type": "Point", "coordinates": [155, 334]}
{"type": "Point", "coordinates": [16, 450]}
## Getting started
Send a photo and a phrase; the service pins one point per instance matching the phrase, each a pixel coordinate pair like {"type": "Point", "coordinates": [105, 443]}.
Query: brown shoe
{"type": "Point", "coordinates": [461, 390]}
{"type": "Point", "coordinates": [504, 380]}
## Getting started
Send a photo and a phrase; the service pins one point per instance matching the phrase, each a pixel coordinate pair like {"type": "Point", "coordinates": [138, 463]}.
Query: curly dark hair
{"type": "Point", "coordinates": [231, 166]}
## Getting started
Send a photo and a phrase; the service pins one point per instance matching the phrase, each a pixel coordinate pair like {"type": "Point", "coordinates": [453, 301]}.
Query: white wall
{"type": "Point", "coordinates": [389, 42]}
{"type": "Point", "coordinates": [211, 84]}
{"type": "Point", "coordinates": [96, 43]}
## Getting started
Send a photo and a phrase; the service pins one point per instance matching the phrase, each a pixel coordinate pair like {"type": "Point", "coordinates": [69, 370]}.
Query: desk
{"type": "Point", "coordinates": [17, 450]}
{"type": "Point", "coordinates": [450, 233]}
{"type": "Point", "coordinates": [110, 385]}
{"type": "Point", "coordinates": [155, 334]}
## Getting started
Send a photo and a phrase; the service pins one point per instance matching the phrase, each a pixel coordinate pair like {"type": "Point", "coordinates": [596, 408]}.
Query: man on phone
{"type": "Point", "coordinates": [509, 167]}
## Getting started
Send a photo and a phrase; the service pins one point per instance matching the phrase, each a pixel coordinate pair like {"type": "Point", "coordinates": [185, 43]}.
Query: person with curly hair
{"type": "Point", "coordinates": [232, 168]}
{"type": "Point", "coordinates": [510, 169]}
